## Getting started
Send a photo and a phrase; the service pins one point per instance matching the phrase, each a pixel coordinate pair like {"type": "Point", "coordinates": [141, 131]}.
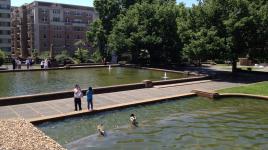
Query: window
{"type": "Point", "coordinates": [56, 19]}
{"type": "Point", "coordinates": [78, 37]}
{"type": "Point", "coordinates": [45, 36]}
{"type": "Point", "coordinates": [4, 15]}
{"type": "Point", "coordinates": [4, 32]}
{"type": "Point", "coordinates": [56, 11]}
{"type": "Point", "coordinates": [4, 24]}
{"type": "Point", "coordinates": [2, 6]}
{"type": "Point", "coordinates": [67, 36]}
{"type": "Point", "coordinates": [44, 19]}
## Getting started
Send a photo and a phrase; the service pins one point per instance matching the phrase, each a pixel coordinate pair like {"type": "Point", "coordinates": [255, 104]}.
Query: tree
{"type": "Point", "coordinates": [148, 27]}
{"type": "Point", "coordinates": [82, 54]}
{"type": "Point", "coordinates": [64, 58]}
{"type": "Point", "coordinates": [2, 57]}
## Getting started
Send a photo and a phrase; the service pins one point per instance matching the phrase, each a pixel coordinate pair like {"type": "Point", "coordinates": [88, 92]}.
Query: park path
{"type": "Point", "coordinates": [31, 111]}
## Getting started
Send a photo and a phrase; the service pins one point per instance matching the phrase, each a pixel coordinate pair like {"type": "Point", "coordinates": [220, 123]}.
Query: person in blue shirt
{"type": "Point", "coordinates": [90, 98]}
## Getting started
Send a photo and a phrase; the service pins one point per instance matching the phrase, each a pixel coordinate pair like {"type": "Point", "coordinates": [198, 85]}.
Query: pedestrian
{"type": "Point", "coordinates": [90, 98]}
{"type": "Point", "coordinates": [14, 65]}
{"type": "Point", "coordinates": [27, 63]}
{"type": "Point", "coordinates": [18, 64]}
{"type": "Point", "coordinates": [42, 64]}
{"type": "Point", "coordinates": [77, 97]}
{"type": "Point", "coordinates": [46, 64]}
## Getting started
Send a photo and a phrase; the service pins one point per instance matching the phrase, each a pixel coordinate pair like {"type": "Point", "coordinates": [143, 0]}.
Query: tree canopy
{"type": "Point", "coordinates": [161, 31]}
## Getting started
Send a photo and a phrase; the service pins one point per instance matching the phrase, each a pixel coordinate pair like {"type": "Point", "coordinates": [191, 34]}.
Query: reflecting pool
{"type": "Point", "coordinates": [25, 83]}
{"type": "Point", "coordinates": [190, 123]}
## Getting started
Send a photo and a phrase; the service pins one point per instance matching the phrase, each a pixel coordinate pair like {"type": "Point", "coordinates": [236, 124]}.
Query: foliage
{"type": "Point", "coordinates": [149, 28]}
{"type": "Point", "coordinates": [159, 31]}
{"type": "Point", "coordinates": [96, 56]}
{"type": "Point", "coordinates": [2, 57]}
{"type": "Point", "coordinates": [64, 58]}
{"type": "Point", "coordinates": [82, 55]}
{"type": "Point", "coordinates": [44, 55]}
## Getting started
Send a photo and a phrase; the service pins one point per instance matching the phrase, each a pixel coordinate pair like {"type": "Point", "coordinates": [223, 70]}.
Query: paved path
{"type": "Point", "coordinates": [63, 106]}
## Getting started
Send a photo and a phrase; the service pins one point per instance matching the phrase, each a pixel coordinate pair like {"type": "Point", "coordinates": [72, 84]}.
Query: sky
{"type": "Point", "coordinates": [82, 2]}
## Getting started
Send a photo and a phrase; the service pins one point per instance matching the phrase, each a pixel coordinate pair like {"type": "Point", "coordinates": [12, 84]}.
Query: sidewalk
{"type": "Point", "coordinates": [31, 111]}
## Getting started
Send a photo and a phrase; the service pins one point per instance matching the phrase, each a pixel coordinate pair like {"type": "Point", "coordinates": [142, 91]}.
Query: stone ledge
{"type": "Point", "coordinates": [68, 94]}
{"type": "Point", "coordinates": [225, 95]}
{"type": "Point", "coordinates": [20, 134]}
{"type": "Point", "coordinates": [107, 108]}
{"type": "Point", "coordinates": [207, 94]}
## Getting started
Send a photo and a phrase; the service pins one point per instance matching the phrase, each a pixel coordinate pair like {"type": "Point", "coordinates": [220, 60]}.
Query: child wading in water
{"type": "Point", "coordinates": [90, 98]}
{"type": "Point", "coordinates": [133, 120]}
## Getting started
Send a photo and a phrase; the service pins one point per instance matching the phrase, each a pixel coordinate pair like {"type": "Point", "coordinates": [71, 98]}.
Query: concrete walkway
{"type": "Point", "coordinates": [31, 111]}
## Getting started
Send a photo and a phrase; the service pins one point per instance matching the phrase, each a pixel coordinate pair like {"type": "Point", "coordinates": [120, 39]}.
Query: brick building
{"type": "Point", "coordinates": [5, 38]}
{"type": "Point", "coordinates": [42, 25]}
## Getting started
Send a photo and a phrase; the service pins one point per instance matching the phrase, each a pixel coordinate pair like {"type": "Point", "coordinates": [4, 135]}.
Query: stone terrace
{"type": "Point", "coordinates": [32, 111]}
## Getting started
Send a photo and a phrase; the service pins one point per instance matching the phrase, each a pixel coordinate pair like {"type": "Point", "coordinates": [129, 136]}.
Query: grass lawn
{"type": "Point", "coordinates": [256, 89]}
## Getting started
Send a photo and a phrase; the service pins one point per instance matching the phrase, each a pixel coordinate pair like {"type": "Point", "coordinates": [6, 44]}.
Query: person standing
{"type": "Point", "coordinates": [77, 97]}
{"type": "Point", "coordinates": [42, 64]}
{"type": "Point", "coordinates": [90, 98]}
{"type": "Point", "coordinates": [27, 62]}
{"type": "Point", "coordinates": [46, 64]}
{"type": "Point", "coordinates": [14, 65]}
{"type": "Point", "coordinates": [18, 62]}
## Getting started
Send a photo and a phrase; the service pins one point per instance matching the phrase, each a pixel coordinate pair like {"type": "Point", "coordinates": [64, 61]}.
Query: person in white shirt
{"type": "Point", "coordinates": [42, 64]}
{"type": "Point", "coordinates": [77, 97]}
{"type": "Point", "coordinates": [27, 63]}
{"type": "Point", "coordinates": [18, 62]}
{"type": "Point", "coordinates": [133, 120]}
{"type": "Point", "coordinates": [46, 64]}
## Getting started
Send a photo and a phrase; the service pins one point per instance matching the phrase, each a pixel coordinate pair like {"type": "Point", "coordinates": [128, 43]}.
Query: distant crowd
{"type": "Point", "coordinates": [17, 63]}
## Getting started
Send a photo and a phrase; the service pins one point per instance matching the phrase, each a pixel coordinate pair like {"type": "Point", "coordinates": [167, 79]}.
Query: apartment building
{"type": "Point", "coordinates": [5, 38]}
{"type": "Point", "coordinates": [40, 26]}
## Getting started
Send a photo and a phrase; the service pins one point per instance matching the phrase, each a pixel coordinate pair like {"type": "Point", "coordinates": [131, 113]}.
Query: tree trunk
{"type": "Point", "coordinates": [234, 65]}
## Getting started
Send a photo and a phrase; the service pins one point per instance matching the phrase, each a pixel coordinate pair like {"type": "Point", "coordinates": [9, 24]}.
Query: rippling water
{"type": "Point", "coordinates": [195, 123]}
{"type": "Point", "coordinates": [24, 83]}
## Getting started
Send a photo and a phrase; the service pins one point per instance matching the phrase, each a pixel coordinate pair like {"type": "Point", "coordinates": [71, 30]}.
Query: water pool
{"type": "Point", "coordinates": [191, 123]}
{"type": "Point", "coordinates": [24, 83]}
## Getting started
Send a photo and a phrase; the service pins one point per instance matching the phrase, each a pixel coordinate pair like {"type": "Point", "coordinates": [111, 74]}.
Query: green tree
{"type": "Point", "coordinates": [64, 57]}
{"type": "Point", "coordinates": [148, 27]}
{"type": "Point", "coordinates": [82, 54]}
{"type": "Point", "coordinates": [2, 57]}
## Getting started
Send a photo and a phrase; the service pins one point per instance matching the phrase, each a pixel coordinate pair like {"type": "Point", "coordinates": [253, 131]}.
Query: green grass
{"type": "Point", "coordinates": [255, 89]}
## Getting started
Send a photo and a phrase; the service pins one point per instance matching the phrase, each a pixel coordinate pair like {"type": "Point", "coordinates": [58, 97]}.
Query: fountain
{"type": "Point", "coordinates": [110, 67]}
{"type": "Point", "coordinates": [165, 76]}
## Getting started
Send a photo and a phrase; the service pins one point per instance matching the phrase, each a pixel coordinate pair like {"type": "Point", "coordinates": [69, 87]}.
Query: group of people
{"type": "Point", "coordinates": [17, 63]}
{"type": "Point", "coordinates": [45, 64]}
{"type": "Point", "coordinates": [78, 94]}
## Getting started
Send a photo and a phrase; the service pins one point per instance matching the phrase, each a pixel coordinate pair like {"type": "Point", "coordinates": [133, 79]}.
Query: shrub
{"type": "Point", "coordinates": [2, 57]}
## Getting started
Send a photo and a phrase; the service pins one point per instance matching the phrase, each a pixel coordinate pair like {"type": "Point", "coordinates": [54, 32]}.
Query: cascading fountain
{"type": "Point", "coordinates": [110, 67]}
{"type": "Point", "coordinates": [165, 76]}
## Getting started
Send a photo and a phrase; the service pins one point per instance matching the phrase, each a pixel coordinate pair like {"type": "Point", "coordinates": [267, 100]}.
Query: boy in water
{"type": "Point", "coordinates": [133, 120]}
{"type": "Point", "coordinates": [100, 129]}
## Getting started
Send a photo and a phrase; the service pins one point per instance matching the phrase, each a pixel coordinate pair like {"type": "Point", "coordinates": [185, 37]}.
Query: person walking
{"type": "Point", "coordinates": [77, 97]}
{"type": "Point", "coordinates": [90, 99]}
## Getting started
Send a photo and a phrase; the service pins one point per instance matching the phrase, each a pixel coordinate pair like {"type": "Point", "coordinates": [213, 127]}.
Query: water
{"type": "Point", "coordinates": [25, 83]}
{"type": "Point", "coordinates": [195, 123]}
